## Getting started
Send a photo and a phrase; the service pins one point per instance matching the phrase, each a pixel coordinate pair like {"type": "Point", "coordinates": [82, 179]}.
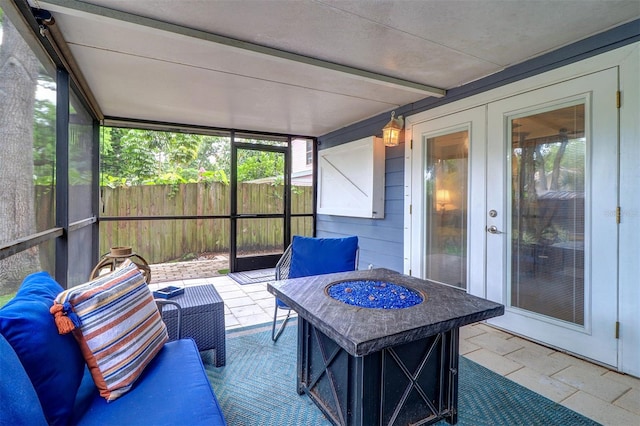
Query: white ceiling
{"type": "Point", "coordinates": [171, 67]}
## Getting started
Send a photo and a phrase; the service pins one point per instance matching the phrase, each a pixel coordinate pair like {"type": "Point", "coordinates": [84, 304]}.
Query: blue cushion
{"type": "Point", "coordinates": [317, 256]}
{"type": "Point", "coordinates": [19, 403]}
{"type": "Point", "coordinates": [281, 304]}
{"type": "Point", "coordinates": [52, 361]}
{"type": "Point", "coordinates": [172, 390]}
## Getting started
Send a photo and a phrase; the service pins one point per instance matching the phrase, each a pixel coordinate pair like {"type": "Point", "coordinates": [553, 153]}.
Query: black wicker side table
{"type": "Point", "coordinates": [202, 319]}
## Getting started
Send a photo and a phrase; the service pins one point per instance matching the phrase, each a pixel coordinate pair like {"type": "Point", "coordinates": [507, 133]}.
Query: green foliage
{"type": "Point", "coordinates": [213, 176]}
{"type": "Point", "coordinates": [146, 157]}
{"type": "Point", "coordinates": [44, 140]}
{"type": "Point", "coordinates": [259, 165]}
{"type": "Point", "coordinates": [113, 182]}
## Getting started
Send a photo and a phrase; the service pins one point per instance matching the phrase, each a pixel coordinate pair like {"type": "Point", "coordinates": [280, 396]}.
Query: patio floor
{"type": "Point", "coordinates": [594, 391]}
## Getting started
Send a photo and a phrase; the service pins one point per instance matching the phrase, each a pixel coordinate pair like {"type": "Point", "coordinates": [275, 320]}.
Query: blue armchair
{"type": "Point", "coordinates": [308, 256]}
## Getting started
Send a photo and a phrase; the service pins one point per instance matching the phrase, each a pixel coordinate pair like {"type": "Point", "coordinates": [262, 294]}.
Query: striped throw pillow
{"type": "Point", "coordinates": [117, 324]}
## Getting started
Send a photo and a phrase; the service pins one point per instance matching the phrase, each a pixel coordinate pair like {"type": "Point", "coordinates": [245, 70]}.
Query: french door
{"type": "Point", "coordinates": [552, 192]}
{"type": "Point", "coordinates": [515, 201]}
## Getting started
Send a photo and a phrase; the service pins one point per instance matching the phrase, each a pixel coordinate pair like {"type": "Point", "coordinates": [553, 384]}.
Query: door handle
{"type": "Point", "coordinates": [494, 230]}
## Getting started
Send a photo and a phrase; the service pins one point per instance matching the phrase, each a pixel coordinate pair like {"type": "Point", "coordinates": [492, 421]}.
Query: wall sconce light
{"type": "Point", "coordinates": [391, 132]}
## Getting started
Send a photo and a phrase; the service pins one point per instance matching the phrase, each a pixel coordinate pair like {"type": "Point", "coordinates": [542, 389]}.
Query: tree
{"type": "Point", "coordinates": [260, 164]}
{"type": "Point", "coordinates": [19, 72]}
{"type": "Point", "coordinates": [44, 139]}
{"type": "Point", "coordinates": [215, 156]}
{"type": "Point", "coordinates": [147, 157]}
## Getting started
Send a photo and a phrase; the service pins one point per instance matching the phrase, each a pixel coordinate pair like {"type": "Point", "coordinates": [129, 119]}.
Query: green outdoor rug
{"type": "Point", "coordinates": [257, 387]}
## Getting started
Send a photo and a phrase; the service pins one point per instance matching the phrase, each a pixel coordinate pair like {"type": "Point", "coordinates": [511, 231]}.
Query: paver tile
{"type": "Point", "coordinates": [579, 362]}
{"type": "Point", "coordinates": [244, 311]}
{"type": "Point", "coordinates": [466, 347]}
{"type": "Point", "coordinates": [469, 331]}
{"type": "Point", "coordinates": [238, 302]}
{"type": "Point", "coordinates": [495, 343]}
{"type": "Point", "coordinates": [628, 380]}
{"type": "Point", "coordinates": [591, 382]}
{"type": "Point", "coordinates": [630, 401]}
{"type": "Point", "coordinates": [546, 386]}
{"type": "Point", "coordinates": [538, 361]}
{"type": "Point", "coordinates": [489, 329]}
{"type": "Point", "coordinates": [493, 361]}
{"type": "Point", "coordinates": [598, 410]}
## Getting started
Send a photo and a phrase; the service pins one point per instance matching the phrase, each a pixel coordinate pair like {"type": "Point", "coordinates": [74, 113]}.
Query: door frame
{"type": "Point", "coordinates": [248, 263]}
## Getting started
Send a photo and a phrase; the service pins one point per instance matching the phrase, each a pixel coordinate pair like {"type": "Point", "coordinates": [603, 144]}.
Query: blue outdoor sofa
{"type": "Point", "coordinates": [43, 378]}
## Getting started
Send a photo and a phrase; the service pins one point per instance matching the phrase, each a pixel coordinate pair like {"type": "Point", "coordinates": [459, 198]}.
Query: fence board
{"type": "Point", "coordinates": [164, 240]}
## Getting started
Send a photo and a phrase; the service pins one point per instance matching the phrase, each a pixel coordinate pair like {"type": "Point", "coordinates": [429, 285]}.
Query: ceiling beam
{"type": "Point", "coordinates": [86, 10]}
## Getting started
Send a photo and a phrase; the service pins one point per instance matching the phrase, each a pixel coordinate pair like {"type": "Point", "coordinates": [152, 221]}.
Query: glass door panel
{"type": "Point", "coordinates": [446, 177]}
{"type": "Point", "coordinates": [447, 227]}
{"type": "Point", "coordinates": [547, 212]}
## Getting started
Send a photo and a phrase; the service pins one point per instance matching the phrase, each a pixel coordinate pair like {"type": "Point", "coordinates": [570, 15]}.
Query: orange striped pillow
{"type": "Point", "coordinates": [117, 324]}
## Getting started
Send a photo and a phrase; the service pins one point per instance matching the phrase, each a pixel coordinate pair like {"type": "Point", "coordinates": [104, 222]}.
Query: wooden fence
{"type": "Point", "coordinates": [164, 240]}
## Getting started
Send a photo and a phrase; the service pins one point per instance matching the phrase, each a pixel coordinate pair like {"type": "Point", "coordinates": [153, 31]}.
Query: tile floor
{"type": "Point", "coordinates": [600, 394]}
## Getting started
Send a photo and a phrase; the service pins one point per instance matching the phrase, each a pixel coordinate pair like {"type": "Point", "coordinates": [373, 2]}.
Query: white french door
{"type": "Point", "coordinates": [515, 201]}
{"type": "Point", "coordinates": [552, 192]}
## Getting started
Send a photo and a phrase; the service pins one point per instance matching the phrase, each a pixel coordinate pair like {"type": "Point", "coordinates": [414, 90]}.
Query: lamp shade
{"type": "Point", "coordinates": [391, 132]}
{"type": "Point", "coordinates": [443, 197]}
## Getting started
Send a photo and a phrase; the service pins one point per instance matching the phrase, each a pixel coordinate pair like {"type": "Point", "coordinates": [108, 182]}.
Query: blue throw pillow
{"type": "Point", "coordinates": [317, 256]}
{"type": "Point", "coordinates": [52, 361]}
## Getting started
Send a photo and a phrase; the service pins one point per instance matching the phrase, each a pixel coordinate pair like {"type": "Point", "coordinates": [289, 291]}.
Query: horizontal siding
{"type": "Point", "coordinates": [380, 240]}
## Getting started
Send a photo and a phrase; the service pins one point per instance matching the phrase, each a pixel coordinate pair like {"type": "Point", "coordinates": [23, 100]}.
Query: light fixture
{"type": "Point", "coordinates": [391, 132]}
{"type": "Point", "coordinates": [443, 197]}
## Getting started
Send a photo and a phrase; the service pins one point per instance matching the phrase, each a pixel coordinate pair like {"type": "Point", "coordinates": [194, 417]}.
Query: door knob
{"type": "Point", "coordinates": [493, 230]}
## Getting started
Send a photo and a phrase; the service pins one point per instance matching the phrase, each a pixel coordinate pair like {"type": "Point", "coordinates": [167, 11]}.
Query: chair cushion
{"type": "Point", "coordinates": [52, 361]}
{"type": "Point", "coordinates": [173, 390]}
{"type": "Point", "coordinates": [118, 327]}
{"type": "Point", "coordinates": [316, 256]}
{"type": "Point", "coordinates": [19, 404]}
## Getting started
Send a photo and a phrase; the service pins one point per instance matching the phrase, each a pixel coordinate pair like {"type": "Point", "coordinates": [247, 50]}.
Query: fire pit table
{"type": "Point", "coordinates": [377, 347]}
